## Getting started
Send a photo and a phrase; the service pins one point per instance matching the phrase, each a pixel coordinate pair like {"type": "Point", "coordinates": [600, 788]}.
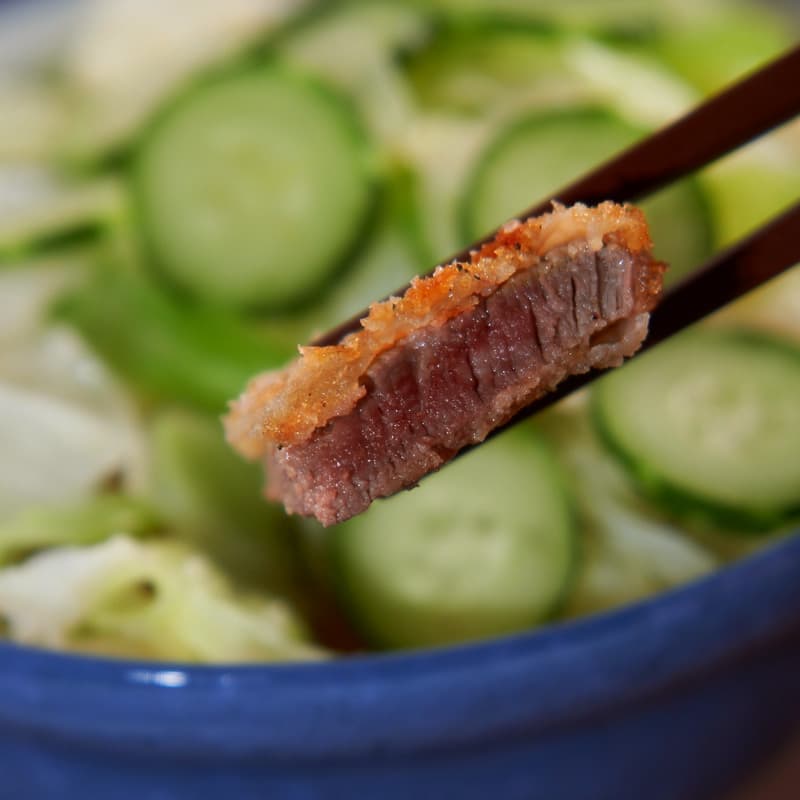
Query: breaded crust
{"type": "Point", "coordinates": [284, 408]}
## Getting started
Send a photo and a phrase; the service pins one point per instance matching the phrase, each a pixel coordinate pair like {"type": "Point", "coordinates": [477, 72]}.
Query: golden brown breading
{"type": "Point", "coordinates": [285, 407]}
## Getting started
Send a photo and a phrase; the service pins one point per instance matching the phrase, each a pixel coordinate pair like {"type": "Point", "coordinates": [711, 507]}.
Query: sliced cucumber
{"type": "Point", "coordinates": [540, 153]}
{"type": "Point", "coordinates": [485, 548]}
{"type": "Point", "coordinates": [629, 550]}
{"type": "Point", "coordinates": [127, 56]}
{"type": "Point", "coordinates": [394, 253]}
{"type": "Point", "coordinates": [709, 423]}
{"type": "Point", "coordinates": [354, 46]}
{"type": "Point", "coordinates": [478, 76]}
{"type": "Point", "coordinates": [252, 188]}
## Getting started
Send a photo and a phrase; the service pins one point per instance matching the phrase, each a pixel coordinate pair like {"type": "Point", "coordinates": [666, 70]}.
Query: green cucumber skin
{"type": "Point", "coordinates": [369, 277]}
{"type": "Point", "coordinates": [372, 170]}
{"type": "Point", "coordinates": [576, 551]}
{"type": "Point", "coordinates": [339, 573]}
{"type": "Point", "coordinates": [468, 226]}
{"type": "Point", "coordinates": [381, 641]}
{"type": "Point", "coordinates": [81, 235]}
{"type": "Point", "coordinates": [694, 508]}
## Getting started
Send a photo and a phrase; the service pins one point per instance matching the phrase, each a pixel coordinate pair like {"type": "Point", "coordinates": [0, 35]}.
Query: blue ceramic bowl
{"type": "Point", "coordinates": [676, 697]}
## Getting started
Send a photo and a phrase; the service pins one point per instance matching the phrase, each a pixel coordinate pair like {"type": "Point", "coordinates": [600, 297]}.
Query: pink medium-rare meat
{"type": "Point", "coordinates": [456, 356]}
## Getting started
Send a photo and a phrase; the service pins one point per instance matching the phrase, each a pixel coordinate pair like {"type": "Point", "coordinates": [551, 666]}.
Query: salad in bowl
{"type": "Point", "coordinates": [189, 190]}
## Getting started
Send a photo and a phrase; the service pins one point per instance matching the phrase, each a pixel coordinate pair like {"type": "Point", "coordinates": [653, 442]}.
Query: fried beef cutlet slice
{"type": "Point", "coordinates": [456, 356]}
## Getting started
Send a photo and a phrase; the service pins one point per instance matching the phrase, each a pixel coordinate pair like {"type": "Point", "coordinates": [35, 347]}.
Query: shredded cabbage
{"type": "Point", "coordinates": [154, 599]}
{"type": "Point", "coordinates": [65, 425]}
{"type": "Point", "coordinates": [629, 552]}
{"type": "Point", "coordinates": [37, 205]}
{"type": "Point", "coordinates": [79, 522]}
{"type": "Point", "coordinates": [128, 55]}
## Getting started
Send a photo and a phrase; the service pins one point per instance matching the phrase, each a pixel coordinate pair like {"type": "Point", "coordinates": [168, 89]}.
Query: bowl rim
{"type": "Point", "coordinates": [413, 701]}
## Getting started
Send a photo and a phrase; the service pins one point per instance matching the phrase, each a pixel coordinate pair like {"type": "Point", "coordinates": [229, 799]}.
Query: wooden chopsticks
{"type": "Point", "coordinates": [767, 252]}
{"type": "Point", "coordinates": [750, 108]}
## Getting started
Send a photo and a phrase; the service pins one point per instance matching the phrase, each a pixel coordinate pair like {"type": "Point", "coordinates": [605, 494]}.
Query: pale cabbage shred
{"type": "Point", "coordinates": [153, 598]}
{"type": "Point", "coordinates": [127, 55]}
{"type": "Point", "coordinates": [628, 554]}
{"type": "Point", "coordinates": [66, 426]}
{"type": "Point", "coordinates": [36, 202]}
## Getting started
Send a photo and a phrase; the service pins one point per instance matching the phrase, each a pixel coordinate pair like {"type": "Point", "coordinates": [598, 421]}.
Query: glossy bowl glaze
{"type": "Point", "coordinates": [676, 697]}
{"type": "Point", "coordinates": [671, 699]}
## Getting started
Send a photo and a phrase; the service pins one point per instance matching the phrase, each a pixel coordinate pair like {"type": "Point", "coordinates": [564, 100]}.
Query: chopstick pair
{"type": "Point", "coordinates": [745, 111]}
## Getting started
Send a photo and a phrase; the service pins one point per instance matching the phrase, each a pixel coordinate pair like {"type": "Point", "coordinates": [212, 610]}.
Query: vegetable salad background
{"type": "Point", "coordinates": [188, 189]}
